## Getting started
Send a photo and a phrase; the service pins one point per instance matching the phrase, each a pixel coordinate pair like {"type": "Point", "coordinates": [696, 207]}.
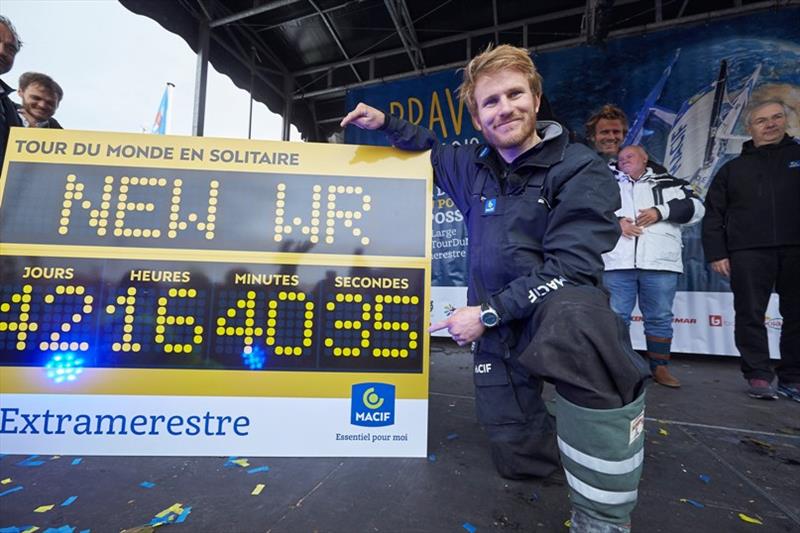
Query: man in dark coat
{"type": "Point", "coordinates": [751, 234]}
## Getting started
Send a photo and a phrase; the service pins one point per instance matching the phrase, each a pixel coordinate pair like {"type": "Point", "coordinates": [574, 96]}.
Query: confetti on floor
{"type": "Point", "coordinates": [147, 484]}
{"type": "Point", "coordinates": [9, 491]}
{"type": "Point", "coordinates": [69, 501]}
{"type": "Point", "coordinates": [452, 436]}
{"type": "Point", "coordinates": [432, 458]}
{"type": "Point", "coordinates": [750, 520]}
{"type": "Point", "coordinates": [44, 508]}
{"type": "Point", "coordinates": [662, 431]}
{"type": "Point", "coordinates": [693, 503]}
{"type": "Point", "coordinates": [469, 527]}
{"type": "Point", "coordinates": [62, 529]}
{"type": "Point", "coordinates": [705, 478]}
{"type": "Point", "coordinates": [6, 481]}
{"type": "Point", "coordinates": [258, 489]}
{"type": "Point", "coordinates": [258, 469]}
{"type": "Point", "coordinates": [244, 463]}
{"type": "Point", "coordinates": [183, 515]}
{"type": "Point", "coordinates": [31, 461]}
{"type": "Point", "coordinates": [77, 461]}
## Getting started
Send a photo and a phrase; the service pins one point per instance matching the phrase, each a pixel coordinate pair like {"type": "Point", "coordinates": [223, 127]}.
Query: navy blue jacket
{"type": "Point", "coordinates": [534, 225]}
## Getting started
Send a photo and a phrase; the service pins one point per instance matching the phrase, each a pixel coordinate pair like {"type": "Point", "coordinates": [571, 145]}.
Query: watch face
{"type": "Point", "coordinates": [489, 318]}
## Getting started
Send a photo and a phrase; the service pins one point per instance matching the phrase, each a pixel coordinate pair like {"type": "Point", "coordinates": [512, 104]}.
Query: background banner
{"type": "Point", "coordinates": [174, 295]}
{"type": "Point", "coordinates": [684, 90]}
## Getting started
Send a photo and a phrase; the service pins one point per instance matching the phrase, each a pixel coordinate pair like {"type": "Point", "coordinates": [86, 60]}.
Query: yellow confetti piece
{"type": "Point", "coordinates": [241, 462]}
{"type": "Point", "coordinates": [258, 489]}
{"type": "Point", "coordinates": [174, 508]}
{"type": "Point", "coordinates": [31, 529]}
{"type": "Point", "coordinates": [568, 523]}
{"type": "Point", "coordinates": [6, 481]}
{"type": "Point", "coordinates": [750, 519]}
{"type": "Point", "coordinates": [43, 508]}
{"type": "Point", "coordinates": [662, 431]}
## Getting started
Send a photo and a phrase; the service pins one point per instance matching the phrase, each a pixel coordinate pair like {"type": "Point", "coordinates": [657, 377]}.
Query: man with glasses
{"type": "Point", "coordinates": [751, 234]}
{"type": "Point", "coordinates": [9, 46]}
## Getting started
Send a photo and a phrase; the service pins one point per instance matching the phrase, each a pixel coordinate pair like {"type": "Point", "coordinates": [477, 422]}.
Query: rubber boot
{"type": "Point", "coordinates": [602, 451]}
{"type": "Point", "coordinates": [658, 353]}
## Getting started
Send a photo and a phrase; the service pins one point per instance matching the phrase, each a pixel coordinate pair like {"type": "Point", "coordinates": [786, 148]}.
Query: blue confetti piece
{"type": "Point", "coordinates": [13, 529]}
{"type": "Point", "coordinates": [86, 531]}
{"type": "Point", "coordinates": [705, 478]}
{"type": "Point", "coordinates": [69, 501]}
{"type": "Point", "coordinates": [30, 461]}
{"type": "Point", "coordinates": [432, 457]}
{"type": "Point", "coordinates": [77, 461]}
{"type": "Point", "coordinates": [469, 527]}
{"type": "Point", "coordinates": [452, 436]}
{"type": "Point", "coordinates": [695, 503]}
{"type": "Point", "coordinates": [230, 462]}
{"type": "Point", "coordinates": [183, 515]}
{"type": "Point", "coordinates": [258, 469]}
{"type": "Point", "coordinates": [9, 491]}
{"type": "Point", "coordinates": [158, 520]}
{"type": "Point", "coordinates": [62, 529]}
{"type": "Point", "coordinates": [147, 484]}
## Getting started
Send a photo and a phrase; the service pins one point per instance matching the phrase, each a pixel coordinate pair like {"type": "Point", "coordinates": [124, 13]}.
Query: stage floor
{"type": "Point", "coordinates": [711, 454]}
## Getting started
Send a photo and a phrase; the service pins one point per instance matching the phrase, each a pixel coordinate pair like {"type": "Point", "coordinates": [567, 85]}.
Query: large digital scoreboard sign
{"type": "Point", "coordinates": [190, 296]}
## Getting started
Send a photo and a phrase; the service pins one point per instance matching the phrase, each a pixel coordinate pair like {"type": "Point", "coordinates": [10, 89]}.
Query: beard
{"type": "Point", "coordinates": [518, 136]}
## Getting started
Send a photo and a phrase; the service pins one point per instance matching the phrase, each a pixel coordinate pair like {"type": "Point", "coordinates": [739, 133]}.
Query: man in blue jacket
{"type": "Point", "coordinates": [751, 233]}
{"type": "Point", "coordinates": [540, 212]}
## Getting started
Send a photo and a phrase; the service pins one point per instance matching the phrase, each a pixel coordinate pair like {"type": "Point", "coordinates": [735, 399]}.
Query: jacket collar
{"type": "Point", "coordinates": [7, 89]}
{"type": "Point", "coordinates": [749, 148]}
{"type": "Point", "coordinates": [545, 154]}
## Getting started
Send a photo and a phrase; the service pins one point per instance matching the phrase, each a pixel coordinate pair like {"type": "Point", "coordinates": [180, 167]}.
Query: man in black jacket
{"type": "Point", "coordinates": [9, 46]}
{"type": "Point", "coordinates": [539, 212]}
{"type": "Point", "coordinates": [751, 233]}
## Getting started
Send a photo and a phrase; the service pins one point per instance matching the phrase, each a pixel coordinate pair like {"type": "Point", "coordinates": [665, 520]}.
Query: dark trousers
{"type": "Point", "coordinates": [754, 274]}
{"type": "Point", "coordinates": [509, 406]}
{"type": "Point", "coordinates": [573, 340]}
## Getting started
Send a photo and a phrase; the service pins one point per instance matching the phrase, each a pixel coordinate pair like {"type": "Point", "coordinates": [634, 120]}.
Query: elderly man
{"type": "Point", "coordinates": [540, 212]}
{"type": "Point", "coordinates": [9, 46]}
{"type": "Point", "coordinates": [751, 233]}
{"type": "Point", "coordinates": [606, 129]}
{"type": "Point", "coordinates": [40, 96]}
{"type": "Point", "coordinates": [647, 260]}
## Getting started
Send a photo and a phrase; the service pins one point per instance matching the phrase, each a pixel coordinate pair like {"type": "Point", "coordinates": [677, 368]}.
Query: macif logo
{"type": "Point", "coordinates": [372, 404]}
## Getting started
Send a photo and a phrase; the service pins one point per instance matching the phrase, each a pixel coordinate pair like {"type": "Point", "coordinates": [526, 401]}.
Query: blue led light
{"type": "Point", "coordinates": [255, 359]}
{"type": "Point", "coordinates": [64, 367]}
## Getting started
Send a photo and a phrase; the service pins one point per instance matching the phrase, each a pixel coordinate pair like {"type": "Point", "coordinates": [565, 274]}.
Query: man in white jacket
{"type": "Point", "coordinates": [646, 262]}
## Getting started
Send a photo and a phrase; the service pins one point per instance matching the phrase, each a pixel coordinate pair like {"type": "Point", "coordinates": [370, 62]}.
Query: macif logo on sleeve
{"type": "Point", "coordinates": [372, 404]}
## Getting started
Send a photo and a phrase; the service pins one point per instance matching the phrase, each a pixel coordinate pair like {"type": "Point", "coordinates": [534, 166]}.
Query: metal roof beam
{"type": "Point", "coordinates": [450, 39]}
{"type": "Point", "coordinates": [412, 56]}
{"type": "Point", "coordinates": [338, 91]}
{"type": "Point", "coordinates": [308, 16]}
{"type": "Point", "coordinates": [250, 12]}
{"type": "Point", "coordinates": [336, 39]}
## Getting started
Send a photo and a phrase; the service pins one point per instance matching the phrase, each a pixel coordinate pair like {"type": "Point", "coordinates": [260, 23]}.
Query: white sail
{"type": "Point", "coordinates": [699, 141]}
{"type": "Point", "coordinates": [686, 144]}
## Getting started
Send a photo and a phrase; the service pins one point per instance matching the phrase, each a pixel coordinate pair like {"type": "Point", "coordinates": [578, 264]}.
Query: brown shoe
{"type": "Point", "coordinates": [662, 376]}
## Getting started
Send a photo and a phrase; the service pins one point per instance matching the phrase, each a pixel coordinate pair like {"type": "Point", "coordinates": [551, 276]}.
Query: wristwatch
{"type": "Point", "coordinates": [489, 317]}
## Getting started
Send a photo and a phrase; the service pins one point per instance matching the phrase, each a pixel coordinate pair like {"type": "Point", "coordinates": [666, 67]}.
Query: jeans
{"type": "Point", "coordinates": [655, 290]}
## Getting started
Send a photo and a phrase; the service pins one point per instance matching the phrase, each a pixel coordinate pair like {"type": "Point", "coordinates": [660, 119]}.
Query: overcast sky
{"type": "Point", "coordinates": [113, 66]}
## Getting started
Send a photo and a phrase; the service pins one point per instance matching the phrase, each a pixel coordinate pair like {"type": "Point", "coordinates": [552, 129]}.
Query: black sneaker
{"type": "Point", "coordinates": [790, 391]}
{"type": "Point", "coordinates": [761, 389]}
